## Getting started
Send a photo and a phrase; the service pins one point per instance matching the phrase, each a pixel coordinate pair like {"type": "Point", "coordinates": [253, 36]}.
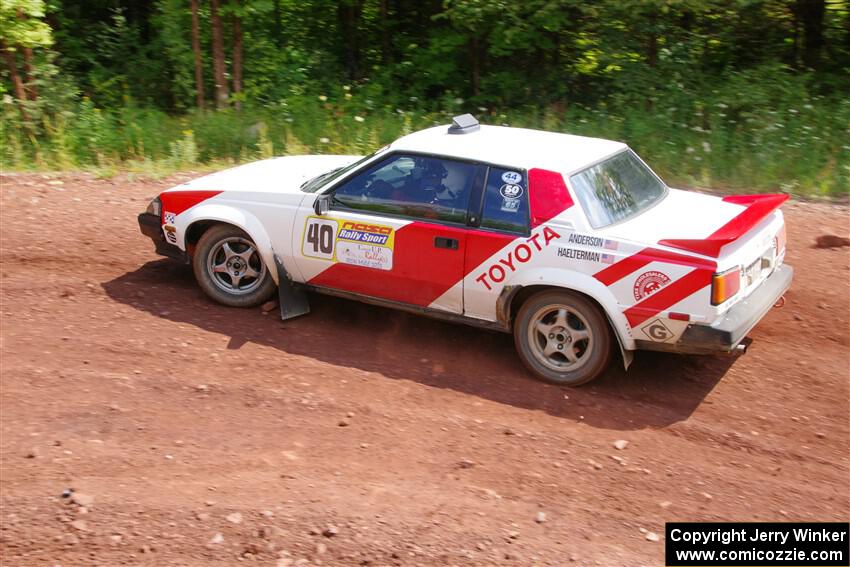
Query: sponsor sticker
{"type": "Point", "coordinates": [509, 191]}
{"type": "Point", "coordinates": [657, 331]}
{"type": "Point", "coordinates": [169, 218]}
{"type": "Point", "coordinates": [503, 267]}
{"type": "Point", "coordinates": [349, 242]}
{"type": "Point", "coordinates": [511, 177]}
{"type": "Point", "coordinates": [364, 255]}
{"type": "Point", "coordinates": [648, 283]}
{"type": "Point", "coordinates": [510, 205]}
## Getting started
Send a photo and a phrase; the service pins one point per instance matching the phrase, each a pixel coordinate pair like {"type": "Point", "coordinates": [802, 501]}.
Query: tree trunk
{"type": "Point", "coordinates": [386, 44]}
{"type": "Point", "coordinates": [475, 57]}
{"type": "Point", "coordinates": [221, 91]}
{"type": "Point", "coordinates": [18, 84]}
{"type": "Point", "coordinates": [348, 14]}
{"type": "Point", "coordinates": [810, 13]}
{"type": "Point", "coordinates": [237, 55]}
{"type": "Point", "coordinates": [199, 62]}
{"type": "Point", "coordinates": [278, 24]}
{"type": "Point", "coordinates": [652, 49]}
{"type": "Point", "coordinates": [29, 77]}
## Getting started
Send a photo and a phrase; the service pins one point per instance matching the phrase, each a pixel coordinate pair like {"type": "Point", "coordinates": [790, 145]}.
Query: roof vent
{"type": "Point", "coordinates": [464, 124]}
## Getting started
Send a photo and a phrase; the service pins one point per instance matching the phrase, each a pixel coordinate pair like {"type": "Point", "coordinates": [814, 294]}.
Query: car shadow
{"type": "Point", "coordinates": [658, 390]}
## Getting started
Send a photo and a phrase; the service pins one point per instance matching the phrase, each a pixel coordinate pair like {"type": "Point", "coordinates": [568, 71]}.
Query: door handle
{"type": "Point", "coordinates": [444, 242]}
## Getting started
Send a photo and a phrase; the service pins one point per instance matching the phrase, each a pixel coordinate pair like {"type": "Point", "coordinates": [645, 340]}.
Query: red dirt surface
{"type": "Point", "coordinates": [194, 434]}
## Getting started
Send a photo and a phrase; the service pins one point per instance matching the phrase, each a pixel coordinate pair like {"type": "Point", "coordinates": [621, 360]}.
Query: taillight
{"type": "Point", "coordinates": [724, 286]}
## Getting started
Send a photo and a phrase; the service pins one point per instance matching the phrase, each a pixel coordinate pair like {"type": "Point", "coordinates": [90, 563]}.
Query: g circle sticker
{"type": "Point", "coordinates": [511, 177]}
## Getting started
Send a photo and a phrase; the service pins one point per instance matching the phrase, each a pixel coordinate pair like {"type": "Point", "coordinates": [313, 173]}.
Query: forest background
{"type": "Point", "coordinates": [729, 94]}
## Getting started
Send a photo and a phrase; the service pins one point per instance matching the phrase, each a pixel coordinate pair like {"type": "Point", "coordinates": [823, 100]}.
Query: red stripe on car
{"type": "Point", "coordinates": [757, 208]}
{"type": "Point", "coordinates": [415, 255]}
{"type": "Point", "coordinates": [615, 272]}
{"type": "Point", "coordinates": [179, 201]}
{"type": "Point", "coordinates": [668, 296]}
{"type": "Point", "coordinates": [548, 195]}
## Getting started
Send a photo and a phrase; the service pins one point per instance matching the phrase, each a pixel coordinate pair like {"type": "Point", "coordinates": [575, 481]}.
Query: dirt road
{"type": "Point", "coordinates": [194, 434]}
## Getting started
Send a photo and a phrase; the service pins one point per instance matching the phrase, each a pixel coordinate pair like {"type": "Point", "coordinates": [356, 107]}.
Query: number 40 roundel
{"type": "Point", "coordinates": [319, 238]}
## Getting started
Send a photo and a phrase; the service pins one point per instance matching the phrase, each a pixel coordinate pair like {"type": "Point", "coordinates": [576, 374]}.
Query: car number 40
{"type": "Point", "coordinates": [319, 238]}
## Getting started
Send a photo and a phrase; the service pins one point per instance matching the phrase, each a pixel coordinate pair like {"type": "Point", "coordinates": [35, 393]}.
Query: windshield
{"type": "Point", "coordinates": [312, 185]}
{"type": "Point", "coordinates": [617, 189]}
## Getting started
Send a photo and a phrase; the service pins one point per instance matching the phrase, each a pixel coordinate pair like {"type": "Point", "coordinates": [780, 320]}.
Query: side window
{"type": "Point", "coordinates": [506, 200]}
{"type": "Point", "coordinates": [411, 186]}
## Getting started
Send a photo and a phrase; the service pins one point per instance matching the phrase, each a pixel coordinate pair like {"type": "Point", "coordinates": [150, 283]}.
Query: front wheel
{"type": "Point", "coordinates": [563, 337]}
{"type": "Point", "coordinates": [229, 269]}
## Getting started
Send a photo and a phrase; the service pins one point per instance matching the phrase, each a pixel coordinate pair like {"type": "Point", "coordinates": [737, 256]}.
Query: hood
{"type": "Point", "coordinates": [276, 175]}
{"type": "Point", "coordinates": [697, 222]}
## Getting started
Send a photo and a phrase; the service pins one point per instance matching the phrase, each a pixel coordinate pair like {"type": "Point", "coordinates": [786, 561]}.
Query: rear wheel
{"type": "Point", "coordinates": [563, 337]}
{"type": "Point", "coordinates": [229, 269]}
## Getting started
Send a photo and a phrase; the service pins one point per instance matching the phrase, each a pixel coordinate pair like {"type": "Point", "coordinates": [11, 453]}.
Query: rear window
{"type": "Point", "coordinates": [616, 189]}
{"type": "Point", "coordinates": [506, 201]}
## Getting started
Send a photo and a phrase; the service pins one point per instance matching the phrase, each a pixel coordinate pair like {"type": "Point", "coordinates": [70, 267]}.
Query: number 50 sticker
{"type": "Point", "coordinates": [319, 238]}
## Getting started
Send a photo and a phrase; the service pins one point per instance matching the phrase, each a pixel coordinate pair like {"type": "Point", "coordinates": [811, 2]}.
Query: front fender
{"type": "Point", "coordinates": [229, 215]}
{"type": "Point", "coordinates": [582, 283]}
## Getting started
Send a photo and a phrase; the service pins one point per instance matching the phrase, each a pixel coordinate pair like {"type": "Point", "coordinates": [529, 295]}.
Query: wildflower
{"type": "Point", "coordinates": [346, 88]}
{"type": "Point", "coordinates": [347, 95]}
{"type": "Point", "coordinates": [324, 141]}
{"type": "Point", "coordinates": [323, 98]}
{"type": "Point", "coordinates": [706, 147]}
{"type": "Point", "coordinates": [359, 119]}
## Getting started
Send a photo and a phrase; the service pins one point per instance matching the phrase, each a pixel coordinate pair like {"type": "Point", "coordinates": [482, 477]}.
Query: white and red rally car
{"type": "Point", "coordinates": [571, 243]}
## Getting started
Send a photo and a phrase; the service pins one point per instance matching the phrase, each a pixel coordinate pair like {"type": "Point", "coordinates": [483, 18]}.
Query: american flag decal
{"type": "Point", "coordinates": [610, 244]}
{"type": "Point", "coordinates": [608, 258]}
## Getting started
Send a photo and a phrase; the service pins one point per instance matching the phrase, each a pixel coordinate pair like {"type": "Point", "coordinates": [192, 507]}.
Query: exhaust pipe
{"type": "Point", "coordinates": [780, 302]}
{"type": "Point", "coordinates": [740, 348]}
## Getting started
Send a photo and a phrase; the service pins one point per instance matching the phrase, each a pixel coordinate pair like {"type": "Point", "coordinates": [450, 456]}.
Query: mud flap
{"type": "Point", "coordinates": [292, 299]}
{"type": "Point", "coordinates": [628, 355]}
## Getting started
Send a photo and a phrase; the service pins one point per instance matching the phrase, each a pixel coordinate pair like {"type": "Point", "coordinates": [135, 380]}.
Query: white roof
{"type": "Point", "coordinates": [517, 147]}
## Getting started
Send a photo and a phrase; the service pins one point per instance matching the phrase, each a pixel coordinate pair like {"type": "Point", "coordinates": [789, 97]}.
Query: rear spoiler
{"type": "Point", "coordinates": [757, 208]}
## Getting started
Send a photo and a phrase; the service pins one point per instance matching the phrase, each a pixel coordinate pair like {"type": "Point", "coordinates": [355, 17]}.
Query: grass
{"type": "Point", "coordinates": [801, 148]}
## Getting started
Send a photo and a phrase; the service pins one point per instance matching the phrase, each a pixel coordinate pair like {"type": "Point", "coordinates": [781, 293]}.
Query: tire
{"type": "Point", "coordinates": [229, 268]}
{"type": "Point", "coordinates": [563, 337]}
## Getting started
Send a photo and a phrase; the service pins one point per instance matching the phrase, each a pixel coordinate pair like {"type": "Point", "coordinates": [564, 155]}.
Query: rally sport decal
{"type": "Point", "coordinates": [359, 244]}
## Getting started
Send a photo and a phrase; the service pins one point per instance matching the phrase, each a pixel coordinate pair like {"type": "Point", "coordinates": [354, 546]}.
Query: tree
{"type": "Point", "coordinates": [809, 14]}
{"type": "Point", "coordinates": [237, 54]}
{"type": "Point", "coordinates": [219, 71]}
{"type": "Point", "coordinates": [21, 29]}
{"type": "Point", "coordinates": [199, 62]}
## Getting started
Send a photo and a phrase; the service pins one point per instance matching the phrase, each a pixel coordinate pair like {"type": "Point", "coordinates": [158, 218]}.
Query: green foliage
{"type": "Point", "coordinates": [746, 94]}
{"type": "Point", "coordinates": [21, 24]}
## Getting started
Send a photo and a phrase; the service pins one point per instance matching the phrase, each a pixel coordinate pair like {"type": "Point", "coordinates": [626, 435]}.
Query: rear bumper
{"type": "Point", "coordinates": [151, 226]}
{"type": "Point", "coordinates": [727, 332]}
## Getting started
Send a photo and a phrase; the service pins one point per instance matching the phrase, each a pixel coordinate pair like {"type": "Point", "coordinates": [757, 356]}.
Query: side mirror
{"type": "Point", "coordinates": [322, 204]}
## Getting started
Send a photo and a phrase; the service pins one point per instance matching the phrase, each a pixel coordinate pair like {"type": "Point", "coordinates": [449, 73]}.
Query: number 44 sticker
{"type": "Point", "coordinates": [319, 238]}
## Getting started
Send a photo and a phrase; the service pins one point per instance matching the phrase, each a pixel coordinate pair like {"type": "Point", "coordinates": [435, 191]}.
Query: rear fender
{"type": "Point", "coordinates": [229, 215]}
